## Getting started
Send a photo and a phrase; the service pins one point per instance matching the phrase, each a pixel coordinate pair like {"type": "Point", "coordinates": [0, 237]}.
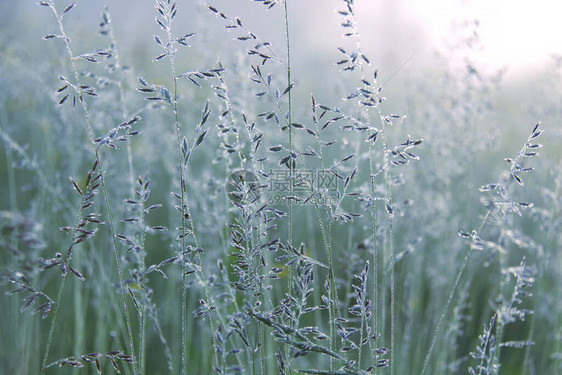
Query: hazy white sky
{"type": "Point", "coordinates": [519, 34]}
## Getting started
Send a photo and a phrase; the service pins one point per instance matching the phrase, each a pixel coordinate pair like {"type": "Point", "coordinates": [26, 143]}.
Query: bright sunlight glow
{"type": "Point", "coordinates": [516, 34]}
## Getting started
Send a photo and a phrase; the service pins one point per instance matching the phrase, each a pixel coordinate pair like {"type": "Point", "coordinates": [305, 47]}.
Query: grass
{"type": "Point", "coordinates": [199, 211]}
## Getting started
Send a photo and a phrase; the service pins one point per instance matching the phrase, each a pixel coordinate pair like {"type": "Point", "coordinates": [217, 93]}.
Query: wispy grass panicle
{"type": "Point", "coordinates": [498, 206]}
{"type": "Point", "coordinates": [78, 93]}
{"type": "Point", "coordinates": [508, 311]}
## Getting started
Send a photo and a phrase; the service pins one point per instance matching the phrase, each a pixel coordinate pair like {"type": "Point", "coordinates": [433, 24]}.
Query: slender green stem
{"type": "Point", "coordinates": [142, 266]}
{"type": "Point", "coordinates": [391, 248]}
{"type": "Point", "coordinates": [184, 369]}
{"type": "Point", "coordinates": [361, 335]}
{"type": "Point", "coordinates": [450, 299]}
{"type": "Point", "coordinates": [185, 213]}
{"type": "Point", "coordinates": [79, 314]}
{"type": "Point", "coordinates": [291, 161]}
{"type": "Point", "coordinates": [59, 297]}
{"type": "Point", "coordinates": [124, 111]}
{"type": "Point", "coordinates": [142, 269]}
{"type": "Point", "coordinates": [52, 326]}
{"type": "Point", "coordinates": [375, 255]}
{"type": "Point", "coordinates": [500, 325]}
{"type": "Point", "coordinates": [290, 114]}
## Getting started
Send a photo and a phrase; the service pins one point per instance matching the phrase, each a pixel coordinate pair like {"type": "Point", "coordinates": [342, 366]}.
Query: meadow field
{"type": "Point", "coordinates": [199, 188]}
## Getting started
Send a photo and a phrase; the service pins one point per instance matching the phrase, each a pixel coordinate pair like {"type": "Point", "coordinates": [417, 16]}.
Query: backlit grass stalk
{"type": "Point", "coordinates": [515, 169]}
{"type": "Point", "coordinates": [261, 331]}
{"type": "Point", "coordinates": [375, 248]}
{"type": "Point", "coordinates": [142, 271]}
{"type": "Point", "coordinates": [326, 240]}
{"type": "Point", "coordinates": [168, 11]}
{"type": "Point", "coordinates": [289, 117]}
{"type": "Point", "coordinates": [66, 263]}
{"type": "Point", "coordinates": [291, 161]}
{"type": "Point", "coordinates": [183, 213]}
{"type": "Point", "coordinates": [351, 23]}
{"type": "Point", "coordinates": [265, 341]}
{"type": "Point", "coordinates": [90, 130]}
{"type": "Point", "coordinates": [443, 315]}
{"type": "Point", "coordinates": [391, 246]}
{"type": "Point", "coordinates": [124, 111]}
